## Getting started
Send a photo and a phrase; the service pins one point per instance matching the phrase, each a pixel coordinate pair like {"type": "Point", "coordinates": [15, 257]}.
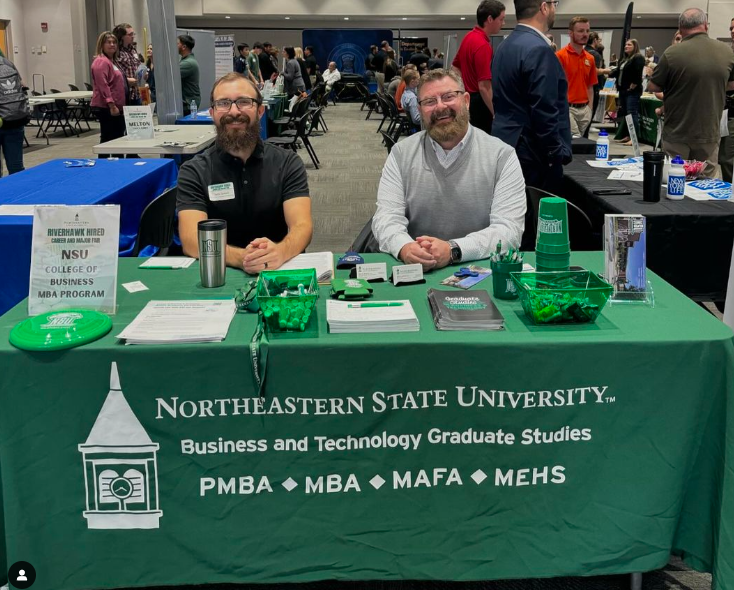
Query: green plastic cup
{"type": "Point", "coordinates": [552, 225]}
{"type": "Point", "coordinates": [502, 284]}
{"type": "Point", "coordinates": [545, 263]}
{"type": "Point", "coordinates": [560, 249]}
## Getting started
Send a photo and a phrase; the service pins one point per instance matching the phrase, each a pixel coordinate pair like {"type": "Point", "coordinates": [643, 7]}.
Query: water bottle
{"type": "Point", "coordinates": [192, 108]}
{"type": "Point", "coordinates": [676, 179]}
{"type": "Point", "coordinates": [602, 146]}
{"type": "Point", "coordinates": [212, 252]}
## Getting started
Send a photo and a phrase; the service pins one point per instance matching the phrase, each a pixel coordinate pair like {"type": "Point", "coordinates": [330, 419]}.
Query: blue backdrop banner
{"type": "Point", "coordinates": [347, 47]}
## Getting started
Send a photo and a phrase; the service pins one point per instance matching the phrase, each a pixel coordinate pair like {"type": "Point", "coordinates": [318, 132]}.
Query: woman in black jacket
{"type": "Point", "coordinates": [304, 73]}
{"type": "Point", "coordinates": [629, 83]}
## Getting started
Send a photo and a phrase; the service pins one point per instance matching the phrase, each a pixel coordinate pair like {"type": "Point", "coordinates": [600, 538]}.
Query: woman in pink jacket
{"type": "Point", "coordinates": [108, 82]}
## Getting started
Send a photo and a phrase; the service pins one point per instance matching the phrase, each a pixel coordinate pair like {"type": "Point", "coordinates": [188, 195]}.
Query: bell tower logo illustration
{"type": "Point", "coordinates": [120, 467]}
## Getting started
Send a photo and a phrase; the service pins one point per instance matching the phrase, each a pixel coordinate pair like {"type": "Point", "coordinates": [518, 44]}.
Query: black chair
{"type": "Point", "coordinates": [88, 86]}
{"type": "Point", "coordinates": [299, 109]}
{"type": "Point", "coordinates": [384, 109]}
{"type": "Point", "coordinates": [291, 141]}
{"type": "Point", "coordinates": [73, 88]}
{"type": "Point", "coordinates": [580, 229]}
{"type": "Point", "coordinates": [157, 223]}
{"type": "Point", "coordinates": [388, 140]}
{"type": "Point", "coordinates": [365, 242]}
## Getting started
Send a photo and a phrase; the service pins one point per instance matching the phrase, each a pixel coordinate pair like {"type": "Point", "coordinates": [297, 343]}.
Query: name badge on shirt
{"type": "Point", "coordinates": [586, 62]}
{"type": "Point", "coordinates": [221, 192]}
{"type": "Point", "coordinates": [116, 68]}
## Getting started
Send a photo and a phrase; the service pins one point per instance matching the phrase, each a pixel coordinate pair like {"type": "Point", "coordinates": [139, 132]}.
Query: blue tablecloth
{"type": "Point", "coordinates": [125, 182]}
{"type": "Point", "coordinates": [203, 118]}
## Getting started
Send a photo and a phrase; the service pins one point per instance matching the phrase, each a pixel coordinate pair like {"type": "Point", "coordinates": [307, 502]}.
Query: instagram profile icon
{"type": "Point", "coordinates": [21, 575]}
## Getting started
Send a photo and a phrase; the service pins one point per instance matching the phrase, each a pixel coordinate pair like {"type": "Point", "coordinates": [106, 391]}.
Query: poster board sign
{"type": "Point", "coordinates": [74, 258]}
{"type": "Point", "coordinates": [139, 122]}
{"type": "Point", "coordinates": [223, 54]}
{"type": "Point", "coordinates": [633, 135]}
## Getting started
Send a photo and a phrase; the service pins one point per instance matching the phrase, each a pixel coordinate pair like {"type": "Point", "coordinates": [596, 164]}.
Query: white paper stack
{"type": "Point", "coordinates": [323, 262]}
{"type": "Point", "coordinates": [174, 262]}
{"type": "Point", "coordinates": [346, 317]}
{"type": "Point", "coordinates": [171, 322]}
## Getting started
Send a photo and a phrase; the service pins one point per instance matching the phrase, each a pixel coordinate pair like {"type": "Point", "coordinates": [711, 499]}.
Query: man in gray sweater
{"type": "Point", "coordinates": [450, 193]}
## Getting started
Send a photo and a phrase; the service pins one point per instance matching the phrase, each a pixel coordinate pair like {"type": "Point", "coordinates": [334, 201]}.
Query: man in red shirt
{"type": "Point", "coordinates": [474, 62]}
{"type": "Point", "coordinates": [580, 71]}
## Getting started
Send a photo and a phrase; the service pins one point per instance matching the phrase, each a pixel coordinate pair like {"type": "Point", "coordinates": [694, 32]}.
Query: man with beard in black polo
{"type": "Point", "coordinates": [260, 190]}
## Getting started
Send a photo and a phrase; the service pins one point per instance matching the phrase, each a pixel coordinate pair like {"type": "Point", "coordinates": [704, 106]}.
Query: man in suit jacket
{"type": "Point", "coordinates": [531, 97]}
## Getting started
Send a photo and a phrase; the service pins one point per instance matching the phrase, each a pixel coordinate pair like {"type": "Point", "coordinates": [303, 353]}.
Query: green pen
{"type": "Point", "coordinates": [375, 304]}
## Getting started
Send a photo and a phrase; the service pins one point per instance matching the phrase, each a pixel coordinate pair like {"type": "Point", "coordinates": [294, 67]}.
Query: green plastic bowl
{"type": "Point", "coordinates": [564, 297]}
{"type": "Point", "coordinates": [287, 298]}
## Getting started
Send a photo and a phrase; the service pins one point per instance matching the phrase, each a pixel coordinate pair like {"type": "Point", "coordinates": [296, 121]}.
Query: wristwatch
{"type": "Point", "coordinates": [455, 252]}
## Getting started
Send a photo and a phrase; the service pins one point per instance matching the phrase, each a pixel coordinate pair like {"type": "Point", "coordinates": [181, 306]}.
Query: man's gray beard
{"type": "Point", "coordinates": [238, 140]}
{"type": "Point", "coordinates": [457, 128]}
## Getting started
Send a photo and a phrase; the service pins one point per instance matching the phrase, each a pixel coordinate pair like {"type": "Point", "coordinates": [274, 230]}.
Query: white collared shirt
{"type": "Point", "coordinates": [532, 28]}
{"type": "Point", "coordinates": [446, 158]}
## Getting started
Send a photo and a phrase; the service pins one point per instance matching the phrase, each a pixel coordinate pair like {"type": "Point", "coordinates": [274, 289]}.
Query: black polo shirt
{"type": "Point", "coordinates": [269, 177]}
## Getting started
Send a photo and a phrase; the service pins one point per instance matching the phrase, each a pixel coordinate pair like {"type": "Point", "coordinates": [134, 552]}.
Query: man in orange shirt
{"type": "Point", "coordinates": [580, 69]}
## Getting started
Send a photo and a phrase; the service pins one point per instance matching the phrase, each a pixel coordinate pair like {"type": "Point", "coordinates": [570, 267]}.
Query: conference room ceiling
{"type": "Point", "coordinates": [407, 22]}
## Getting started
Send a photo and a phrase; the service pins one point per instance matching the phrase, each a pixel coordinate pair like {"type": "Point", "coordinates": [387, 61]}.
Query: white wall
{"type": "Point", "coordinates": [57, 64]}
{"type": "Point", "coordinates": [12, 10]}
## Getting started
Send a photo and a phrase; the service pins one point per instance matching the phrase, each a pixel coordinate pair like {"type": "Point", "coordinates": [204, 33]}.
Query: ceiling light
{"type": "Point", "coordinates": [346, 18]}
{"type": "Point", "coordinates": [287, 18]}
{"type": "Point", "coordinates": [463, 18]}
{"type": "Point", "coordinates": [405, 18]}
{"type": "Point", "coordinates": [227, 17]}
{"type": "Point", "coordinates": [639, 17]}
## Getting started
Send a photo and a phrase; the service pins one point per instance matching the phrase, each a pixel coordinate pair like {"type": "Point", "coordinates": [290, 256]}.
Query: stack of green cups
{"type": "Point", "coordinates": [552, 246]}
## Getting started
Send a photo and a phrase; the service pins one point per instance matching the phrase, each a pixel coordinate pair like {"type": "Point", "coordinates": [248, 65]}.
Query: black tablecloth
{"type": "Point", "coordinates": [582, 145]}
{"type": "Point", "coordinates": [689, 243]}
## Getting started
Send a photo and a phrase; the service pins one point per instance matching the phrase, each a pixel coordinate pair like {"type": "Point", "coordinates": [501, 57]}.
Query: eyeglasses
{"type": "Point", "coordinates": [553, 2]}
{"type": "Point", "coordinates": [224, 104]}
{"type": "Point", "coordinates": [446, 98]}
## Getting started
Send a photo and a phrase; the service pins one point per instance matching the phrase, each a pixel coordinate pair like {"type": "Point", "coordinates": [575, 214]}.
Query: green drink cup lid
{"type": "Point", "coordinates": [57, 330]}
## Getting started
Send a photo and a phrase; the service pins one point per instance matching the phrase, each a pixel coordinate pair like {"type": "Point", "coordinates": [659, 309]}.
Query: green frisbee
{"type": "Point", "coordinates": [56, 330]}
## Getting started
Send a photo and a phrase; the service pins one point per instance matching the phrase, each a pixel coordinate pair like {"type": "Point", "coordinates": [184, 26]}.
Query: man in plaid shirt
{"type": "Point", "coordinates": [128, 60]}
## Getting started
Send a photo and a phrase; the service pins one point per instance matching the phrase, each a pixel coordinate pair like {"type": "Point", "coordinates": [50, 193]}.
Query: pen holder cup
{"type": "Point", "coordinates": [502, 285]}
{"type": "Point", "coordinates": [287, 298]}
{"type": "Point", "coordinates": [573, 297]}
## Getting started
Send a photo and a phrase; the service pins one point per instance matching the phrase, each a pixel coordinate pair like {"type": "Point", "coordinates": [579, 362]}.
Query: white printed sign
{"type": "Point", "coordinates": [74, 258]}
{"type": "Point", "coordinates": [139, 122]}
{"type": "Point", "coordinates": [223, 54]}
{"type": "Point", "coordinates": [633, 135]}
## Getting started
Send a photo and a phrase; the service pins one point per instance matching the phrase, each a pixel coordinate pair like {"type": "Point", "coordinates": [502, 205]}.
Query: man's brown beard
{"type": "Point", "coordinates": [447, 132]}
{"type": "Point", "coordinates": [237, 140]}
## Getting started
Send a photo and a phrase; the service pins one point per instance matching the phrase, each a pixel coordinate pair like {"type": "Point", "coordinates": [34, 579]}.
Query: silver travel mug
{"type": "Point", "coordinates": [212, 245]}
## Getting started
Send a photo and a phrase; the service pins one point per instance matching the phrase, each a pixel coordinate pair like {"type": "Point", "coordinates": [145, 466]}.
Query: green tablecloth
{"type": "Point", "coordinates": [635, 410]}
{"type": "Point", "coordinates": [648, 121]}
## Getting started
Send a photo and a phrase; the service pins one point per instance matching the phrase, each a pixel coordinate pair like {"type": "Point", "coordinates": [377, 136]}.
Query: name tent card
{"type": "Point", "coordinates": [374, 271]}
{"type": "Point", "coordinates": [407, 273]}
{"type": "Point", "coordinates": [139, 122]}
{"type": "Point", "coordinates": [74, 258]}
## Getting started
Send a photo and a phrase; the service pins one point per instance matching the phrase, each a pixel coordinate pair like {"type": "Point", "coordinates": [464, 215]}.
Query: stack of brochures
{"type": "Point", "coordinates": [172, 262]}
{"type": "Point", "coordinates": [351, 317]}
{"type": "Point", "coordinates": [470, 310]}
{"type": "Point", "coordinates": [173, 322]}
{"type": "Point", "coordinates": [323, 262]}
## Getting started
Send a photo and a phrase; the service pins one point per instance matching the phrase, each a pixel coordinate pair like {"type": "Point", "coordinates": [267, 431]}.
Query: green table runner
{"type": "Point", "coordinates": [531, 452]}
